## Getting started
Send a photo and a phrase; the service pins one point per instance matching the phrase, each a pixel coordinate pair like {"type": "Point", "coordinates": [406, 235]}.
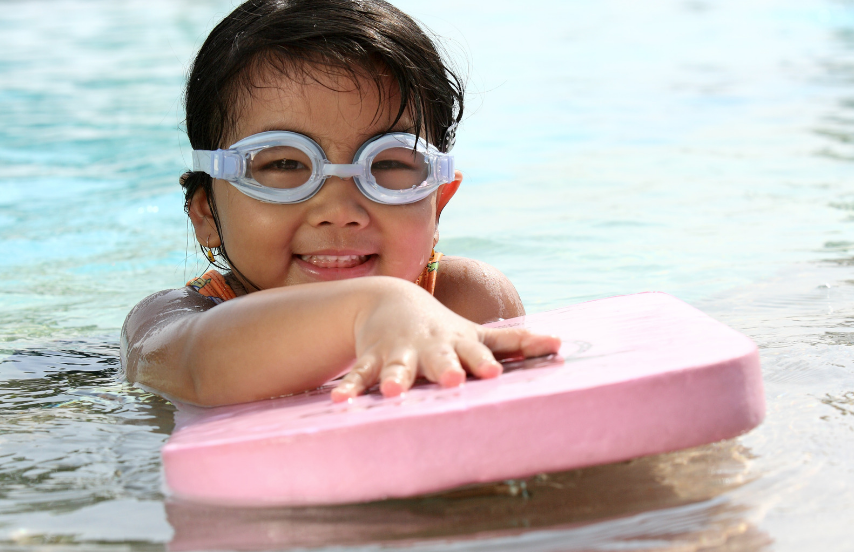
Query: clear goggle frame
{"type": "Point", "coordinates": [286, 167]}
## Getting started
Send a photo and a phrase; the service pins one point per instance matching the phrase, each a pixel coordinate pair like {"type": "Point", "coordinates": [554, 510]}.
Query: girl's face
{"type": "Point", "coordinates": [338, 233]}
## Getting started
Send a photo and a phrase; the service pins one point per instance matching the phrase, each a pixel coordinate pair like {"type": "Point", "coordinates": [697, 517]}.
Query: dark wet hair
{"type": "Point", "coordinates": [358, 38]}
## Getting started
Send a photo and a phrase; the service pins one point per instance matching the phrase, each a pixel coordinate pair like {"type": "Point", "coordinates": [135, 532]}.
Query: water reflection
{"type": "Point", "coordinates": [74, 434]}
{"type": "Point", "coordinates": [602, 502]}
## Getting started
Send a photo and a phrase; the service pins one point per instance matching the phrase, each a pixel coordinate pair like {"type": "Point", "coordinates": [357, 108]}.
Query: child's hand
{"type": "Point", "coordinates": [407, 333]}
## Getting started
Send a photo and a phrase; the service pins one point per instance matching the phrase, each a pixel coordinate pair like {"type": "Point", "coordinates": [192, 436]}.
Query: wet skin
{"type": "Point", "coordinates": [360, 259]}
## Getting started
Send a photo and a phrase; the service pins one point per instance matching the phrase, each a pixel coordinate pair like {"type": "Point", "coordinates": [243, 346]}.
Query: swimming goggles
{"type": "Point", "coordinates": [286, 167]}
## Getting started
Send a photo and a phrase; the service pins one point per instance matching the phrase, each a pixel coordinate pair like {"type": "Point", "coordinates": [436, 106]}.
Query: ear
{"type": "Point", "coordinates": [202, 219]}
{"type": "Point", "coordinates": [447, 191]}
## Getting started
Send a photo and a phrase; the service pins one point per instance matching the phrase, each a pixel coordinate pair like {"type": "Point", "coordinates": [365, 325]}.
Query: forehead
{"type": "Point", "coordinates": [326, 105]}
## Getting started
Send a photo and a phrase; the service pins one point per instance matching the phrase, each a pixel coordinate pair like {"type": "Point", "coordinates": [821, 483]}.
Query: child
{"type": "Point", "coordinates": [321, 131]}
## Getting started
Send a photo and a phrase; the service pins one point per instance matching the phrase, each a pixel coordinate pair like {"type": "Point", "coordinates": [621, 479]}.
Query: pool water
{"type": "Point", "coordinates": [700, 148]}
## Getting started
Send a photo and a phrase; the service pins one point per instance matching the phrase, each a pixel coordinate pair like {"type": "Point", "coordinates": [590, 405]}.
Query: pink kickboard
{"type": "Point", "coordinates": [637, 375]}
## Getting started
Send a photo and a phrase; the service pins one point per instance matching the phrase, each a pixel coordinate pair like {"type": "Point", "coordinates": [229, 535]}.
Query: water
{"type": "Point", "coordinates": [700, 148]}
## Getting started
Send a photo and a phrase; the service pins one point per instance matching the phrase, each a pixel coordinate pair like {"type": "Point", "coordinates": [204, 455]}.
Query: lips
{"type": "Point", "coordinates": [335, 261]}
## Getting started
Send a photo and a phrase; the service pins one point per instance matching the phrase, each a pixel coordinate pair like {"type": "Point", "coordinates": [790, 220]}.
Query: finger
{"type": "Point", "coordinates": [442, 365]}
{"type": "Point", "coordinates": [478, 359]}
{"type": "Point", "coordinates": [363, 374]}
{"type": "Point", "coordinates": [398, 372]}
{"type": "Point", "coordinates": [519, 340]}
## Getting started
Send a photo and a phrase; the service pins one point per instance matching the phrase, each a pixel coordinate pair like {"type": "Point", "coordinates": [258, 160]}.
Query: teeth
{"type": "Point", "coordinates": [334, 261]}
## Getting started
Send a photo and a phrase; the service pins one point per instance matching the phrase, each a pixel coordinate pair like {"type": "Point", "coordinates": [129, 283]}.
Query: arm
{"type": "Point", "coordinates": [287, 340]}
{"type": "Point", "coordinates": [265, 344]}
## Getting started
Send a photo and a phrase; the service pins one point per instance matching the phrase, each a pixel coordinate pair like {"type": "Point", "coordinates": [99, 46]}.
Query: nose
{"type": "Point", "coordinates": [340, 204]}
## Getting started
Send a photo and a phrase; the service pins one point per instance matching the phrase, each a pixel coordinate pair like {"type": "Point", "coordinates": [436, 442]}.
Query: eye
{"type": "Point", "coordinates": [390, 165]}
{"type": "Point", "coordinates": [399, 168]}
{"type": "Point", "coordinates": [284, 165]}
{"type": "Point", "coordinates": [281, 167]}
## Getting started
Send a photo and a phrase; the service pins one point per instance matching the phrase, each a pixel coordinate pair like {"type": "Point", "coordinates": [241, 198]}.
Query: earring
{"type": "Point", "coordinates": [209, 252]}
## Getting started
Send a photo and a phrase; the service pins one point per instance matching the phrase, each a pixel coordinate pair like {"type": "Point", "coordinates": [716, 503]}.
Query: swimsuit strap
{"type": "Point", "coordinates": [212, 284]}
{"type": "Point", "coordinates": [427, 279]}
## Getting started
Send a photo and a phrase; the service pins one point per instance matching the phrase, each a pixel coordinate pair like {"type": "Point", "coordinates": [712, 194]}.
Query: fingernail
{"type": "Point", "coordinates": [452, 378]}
{"type": "Point", "coordinates": [391, 387]}
{"type": "Point", "coordinates": [490, 369]}
{"type": "Point", "coordinates": [342, 393]}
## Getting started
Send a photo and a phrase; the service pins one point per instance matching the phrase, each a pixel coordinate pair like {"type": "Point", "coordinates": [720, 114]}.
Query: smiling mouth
{"type": "Point", "coordinates": [335, 261]}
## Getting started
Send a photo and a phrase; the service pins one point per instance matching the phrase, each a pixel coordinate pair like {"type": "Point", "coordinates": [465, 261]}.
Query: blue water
{"type": "Point", "coordinates": [695, 147]}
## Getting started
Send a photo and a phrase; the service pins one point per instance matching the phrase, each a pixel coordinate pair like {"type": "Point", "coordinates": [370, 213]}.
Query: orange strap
{"type": "Point", "coordinates": [428, 276]}
{"type": "Point", "coordinates": [212, 284]}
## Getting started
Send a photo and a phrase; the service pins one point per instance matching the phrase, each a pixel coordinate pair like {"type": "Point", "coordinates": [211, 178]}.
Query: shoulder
{"type": "Point", "coordinates": [161, 303]}
{"type": "Point", "coordinates": [476, 290]}
{"type": "Point", "coordinates": [146, 321]}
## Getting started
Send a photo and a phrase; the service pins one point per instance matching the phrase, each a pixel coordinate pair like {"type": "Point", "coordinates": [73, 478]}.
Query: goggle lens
{"type": "Point", "coordinates": [399, 168]}
{"type": "Point", "coordinates": [281, 167]}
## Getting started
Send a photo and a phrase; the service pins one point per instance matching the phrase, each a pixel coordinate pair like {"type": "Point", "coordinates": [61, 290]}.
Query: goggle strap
{"type": "Point", "coordinates": [343, 170]}
{"type": "Point", "coordinates": [443, 168]}
{"type": "Point", "coordinates": [224, 164]}
{"type": "Point", "coordinates": [450, 138]}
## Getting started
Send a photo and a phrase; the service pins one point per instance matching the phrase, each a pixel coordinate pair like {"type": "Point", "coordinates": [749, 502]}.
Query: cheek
{"type": "Point", "coordinates": [232, 214]}
{"type": "Point", "coordinates": [246, 222]}
{"type": "Point", "coordinates": [410, 229]}
{"type": "Point", "coordinates": [417, 219]}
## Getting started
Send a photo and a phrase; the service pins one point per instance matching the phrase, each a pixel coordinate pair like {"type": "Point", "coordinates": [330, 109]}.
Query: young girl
{"type": "Point", "coordinates": [321, 131]}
